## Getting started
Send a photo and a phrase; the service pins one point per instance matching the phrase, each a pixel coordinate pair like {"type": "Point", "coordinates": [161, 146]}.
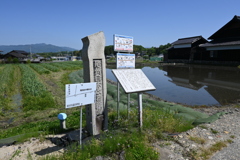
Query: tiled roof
{"type": "Point", "coordinates": [17, 55]}
{"type": "Point", "coordinates": [221, 43]}
{"type": "Point", "coordinates": [187, 40]}
{"type": "Point", "coordinates": [229, 30]}
{"type": "Point", "coordinates": [20, 51]}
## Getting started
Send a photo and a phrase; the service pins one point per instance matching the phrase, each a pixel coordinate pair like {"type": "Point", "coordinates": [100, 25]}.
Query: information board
{"type": "Point", "coordinates": [123, 43]}
{"type": "Point", "coordinates": [125, 60]}
{"type": "Point", "coordinates": [133, 80]}
{"type": "Point", "coordinates": [80, 94]}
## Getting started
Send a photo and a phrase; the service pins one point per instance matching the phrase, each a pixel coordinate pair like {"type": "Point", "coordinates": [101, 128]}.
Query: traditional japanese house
{"type": "Point", "coordinates": [1, 55]}
{"type": "Point", "coordinates": [225, 43]}
{"type": "Point", "coordinates": [186, 50]}
{"type": "Point", "coordinates": [19, 54]}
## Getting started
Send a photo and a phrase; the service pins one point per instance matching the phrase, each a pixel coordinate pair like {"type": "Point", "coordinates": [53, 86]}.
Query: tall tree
{"type": "Point", "coordinates": [163, 48]}
{"type": "Point", "coordinates": [109, 50]}
{"type": "Point", "coordinates": [138, 49]}
{"type": "Point", "coordinates": [151, 51]}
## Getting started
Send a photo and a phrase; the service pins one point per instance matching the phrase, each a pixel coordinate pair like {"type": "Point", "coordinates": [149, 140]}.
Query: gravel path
{"type": "Point", "coordinates": [230, 123]}
{"type": "Point", "coordinates": [230, 152]}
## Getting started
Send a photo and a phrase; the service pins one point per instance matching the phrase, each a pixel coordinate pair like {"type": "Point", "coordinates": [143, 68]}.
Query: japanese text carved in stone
{"type": "Point", "coordinates": [99, 104]}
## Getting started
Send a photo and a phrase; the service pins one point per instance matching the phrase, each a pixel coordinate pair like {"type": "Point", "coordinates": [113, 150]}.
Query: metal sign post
{"type": "Point", "coordinates": [128, 106]}
{"type": "Point", "coordinates": [140, 121]}
{"type": "Point", "coordinates": [124, 61]}
{"type": "Point", "coordinates": [123, 43]}
{"type": "Point", "coordinates": [80, 131]}
{"type": "Point", "coordinates": [134, 81]}
{"type": "Point", "coordinates": [118, 98]}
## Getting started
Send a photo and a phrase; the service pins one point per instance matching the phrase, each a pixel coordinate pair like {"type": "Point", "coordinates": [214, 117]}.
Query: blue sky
{"type": "Point", "coordinates": [149, 22]}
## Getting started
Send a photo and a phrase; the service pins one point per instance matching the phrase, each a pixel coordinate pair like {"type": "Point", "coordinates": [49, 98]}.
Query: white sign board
{"type": "Point", "coordinates": [125, 60]}
{"type": "Point", "coordinates": [123, 43]}
{"type": "Point", "coordinates": [79, 94]}
{"type": "Point", "coordinates": [133, 80]}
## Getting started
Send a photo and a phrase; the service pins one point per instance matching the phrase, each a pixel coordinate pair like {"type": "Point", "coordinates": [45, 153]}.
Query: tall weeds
{"type": "Point", "coordinates": [6, 87]}
{"type": "Point", "coordinates": [36, 96]}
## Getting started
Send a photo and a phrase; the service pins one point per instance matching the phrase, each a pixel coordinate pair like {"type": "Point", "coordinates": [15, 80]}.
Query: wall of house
{"type": "Point", "coordinates": [180, 53]}
{"type": "Point", "coordinates": [201, 54]}
{"type": "Point", "coordinates": [225, 55]}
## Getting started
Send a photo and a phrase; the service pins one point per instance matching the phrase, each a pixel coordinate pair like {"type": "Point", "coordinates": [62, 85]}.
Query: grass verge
{"type": "Point", "coordinates": [206, 153]}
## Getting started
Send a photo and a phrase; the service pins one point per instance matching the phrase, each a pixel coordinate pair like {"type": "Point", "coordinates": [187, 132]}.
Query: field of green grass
{"type": "Point", "coordinates": [32, 95]}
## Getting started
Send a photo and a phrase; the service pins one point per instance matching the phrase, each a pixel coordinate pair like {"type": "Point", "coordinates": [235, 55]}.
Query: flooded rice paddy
{"type": "Point", "coordinates": [194, 84]}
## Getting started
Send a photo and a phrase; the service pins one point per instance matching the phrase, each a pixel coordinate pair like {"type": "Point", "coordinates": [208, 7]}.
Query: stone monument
{"type": "Point", "coordinates": [94, 69]}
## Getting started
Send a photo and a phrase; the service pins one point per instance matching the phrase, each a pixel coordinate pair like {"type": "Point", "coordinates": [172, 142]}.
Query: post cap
{"type": "Point", "coordinates": [62, 116]}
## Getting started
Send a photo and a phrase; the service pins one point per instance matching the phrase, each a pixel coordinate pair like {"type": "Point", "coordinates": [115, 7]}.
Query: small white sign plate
{"type": "Point", "coordinates": [80, 94]}
{"type": "Point", "coordinates": [133, 80]}
{"type": "Point", "coordinates": [125, 60]}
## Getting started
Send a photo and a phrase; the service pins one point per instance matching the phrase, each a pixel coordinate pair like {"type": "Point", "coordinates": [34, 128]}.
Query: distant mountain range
{"type": "Point", "coordinates": [35, 48]}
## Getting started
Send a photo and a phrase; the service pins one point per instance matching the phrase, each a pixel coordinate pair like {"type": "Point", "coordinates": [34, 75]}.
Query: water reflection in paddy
{"type": "Point", "coordinates": [194, 84]}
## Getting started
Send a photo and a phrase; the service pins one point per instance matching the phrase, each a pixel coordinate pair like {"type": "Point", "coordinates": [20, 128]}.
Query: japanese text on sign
{"type": "Point", "coordinates": [125, 60]}
{"type": "Point", "coordinates": [80, 94]}
{"type": "Point", "coordinates": [123, 43]}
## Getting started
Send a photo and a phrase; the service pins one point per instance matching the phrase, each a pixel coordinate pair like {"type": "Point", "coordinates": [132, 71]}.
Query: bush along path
{"type": "Point", "coordinates": [164, 125]}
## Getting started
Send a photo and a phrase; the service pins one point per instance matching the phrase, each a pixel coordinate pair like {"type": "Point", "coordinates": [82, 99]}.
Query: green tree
{"type": "Point", "coordinates": [151, 51]}
{"type": "Point", "coordinates": [138, 48]}
{"type": "Point", "coordinates": [163, 48]}
{"type": "Point", "coordinates": [109, 50]}
{"type": "Point", "coordinates": [77, 53]}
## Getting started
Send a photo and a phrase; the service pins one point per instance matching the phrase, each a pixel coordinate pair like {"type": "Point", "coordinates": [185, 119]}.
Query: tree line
{"type": "Point", "coordinates": [109, 50]}
{"type": "Point", "coordinates": [162, 49]}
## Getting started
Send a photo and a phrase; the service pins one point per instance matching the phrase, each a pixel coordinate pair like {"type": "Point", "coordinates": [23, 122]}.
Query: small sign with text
{"type": "Point", "coordinates": [80, 94]}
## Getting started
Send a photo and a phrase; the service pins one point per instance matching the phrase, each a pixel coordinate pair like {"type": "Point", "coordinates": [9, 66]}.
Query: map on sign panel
{"type": "Point", "coordinates": [133, 80]}
{"type": "Point", "coordinates": [80, 94]}
{"type": "Point", "coordinates": [123, 43]}
{"type": "Point", "coordinates": [125, 60]}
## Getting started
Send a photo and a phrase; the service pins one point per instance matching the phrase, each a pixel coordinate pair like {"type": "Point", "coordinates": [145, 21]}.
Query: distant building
{"type": "Point", "coordinates": [78, 58]}
{"type": "Point", "coordinates": [225, 43]}
{"type": "Point", "coordinates": [19, 54]}
{"type": "Point", "coordinates": [39, 57]}
{"type": "Point", "coordinates": [186, 49]}
{"type": "Point", "coordinates": [59, 58]}
{"type": "Point", "coordinates": [1, 55]}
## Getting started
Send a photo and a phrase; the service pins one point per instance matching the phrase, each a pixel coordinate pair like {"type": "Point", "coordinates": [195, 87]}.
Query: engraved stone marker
{"type": "Point", "coordinates": [94, 68]}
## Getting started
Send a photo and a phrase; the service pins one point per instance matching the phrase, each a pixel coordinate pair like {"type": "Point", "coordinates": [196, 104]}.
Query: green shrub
{"type": "Point", "coordinates": [133, 144]}
{"type": "Point", "coordinates": [7, 85]}
{"type": "Point", "coordinates": [36, 96]}
{"type": "Point", "coordinates": [28, 61]}
{"type": "Point", "coordinates": [38, 102]}
{"type": "Point", "coordinates": [15, 60]}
